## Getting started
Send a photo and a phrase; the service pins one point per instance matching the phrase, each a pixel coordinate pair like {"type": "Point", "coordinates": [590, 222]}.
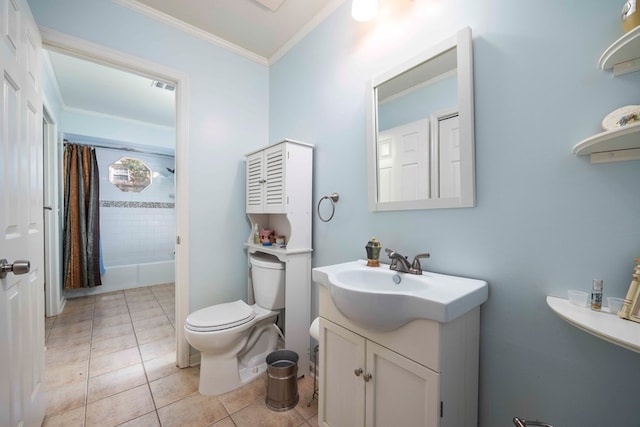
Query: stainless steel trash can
{"type": "Point", "coordinates": [282, 380]}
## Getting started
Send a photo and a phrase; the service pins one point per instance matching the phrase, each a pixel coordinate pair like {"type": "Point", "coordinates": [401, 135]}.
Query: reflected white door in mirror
{"type": "Point", "coordinates": [420, 150]}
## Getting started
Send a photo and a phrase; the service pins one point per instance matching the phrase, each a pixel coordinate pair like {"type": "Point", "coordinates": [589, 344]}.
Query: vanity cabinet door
{"type": "Point", "coordinates": [365, 384]}
{"type": "Point", "coordinates": [399, 391]}
{"type": "Point", "coordinates": [342, 355]}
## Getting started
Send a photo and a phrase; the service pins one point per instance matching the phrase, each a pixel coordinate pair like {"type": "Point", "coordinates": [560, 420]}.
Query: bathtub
{"type": "Point", "coordinates": [129, 276]}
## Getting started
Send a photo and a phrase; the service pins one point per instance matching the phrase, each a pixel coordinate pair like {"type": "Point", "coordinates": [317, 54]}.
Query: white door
{"type": "Point", "coordinates": [403, 162]}
{"type": "Point", "coordinates": [22, 393]}
{"type": "Point", "coordinates": [449, 165]}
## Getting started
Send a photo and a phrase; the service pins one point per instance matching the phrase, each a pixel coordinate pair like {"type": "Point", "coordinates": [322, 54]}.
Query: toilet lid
{"type": "Point", "coordinates": [220, 316]}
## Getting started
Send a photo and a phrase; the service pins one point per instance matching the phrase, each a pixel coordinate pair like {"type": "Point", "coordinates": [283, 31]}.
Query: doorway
{"type": "Point", "coordinates": [82, 49]}
{"type": "Point", "coordinates": [54, 301]}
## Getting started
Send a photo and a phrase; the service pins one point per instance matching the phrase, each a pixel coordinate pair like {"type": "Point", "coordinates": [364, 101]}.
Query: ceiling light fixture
{"type": "Point", "coordinates": [364, 10]}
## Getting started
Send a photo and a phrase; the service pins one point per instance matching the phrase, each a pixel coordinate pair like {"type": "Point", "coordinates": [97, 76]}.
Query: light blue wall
{"type": "Point", "coordinates": [546, 220]}
{"type": "Point", "coordinates": [228, 103]}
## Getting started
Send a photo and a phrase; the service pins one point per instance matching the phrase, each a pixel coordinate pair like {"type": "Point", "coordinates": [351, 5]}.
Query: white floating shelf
{"type": "Point", "coordinates": [601, 324]}
{"type": "Point", "coordinates": [612, 145]}
{"type": "Point", "coordinates": [623, 56]}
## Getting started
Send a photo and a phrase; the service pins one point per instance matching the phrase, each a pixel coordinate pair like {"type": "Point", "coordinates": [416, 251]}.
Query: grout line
{"type": "Point", "coordinates": [144, 368]}
{"type": "Point", "coordinates": [86, 388]}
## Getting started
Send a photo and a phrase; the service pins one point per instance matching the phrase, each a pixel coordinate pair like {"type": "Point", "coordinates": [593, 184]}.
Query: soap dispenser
{"type": "Point", "coordinates": [373, 252]}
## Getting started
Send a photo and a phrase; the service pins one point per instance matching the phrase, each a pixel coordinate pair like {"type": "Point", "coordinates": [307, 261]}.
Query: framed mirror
{"type": "Point", "coordinates": [420, 130]}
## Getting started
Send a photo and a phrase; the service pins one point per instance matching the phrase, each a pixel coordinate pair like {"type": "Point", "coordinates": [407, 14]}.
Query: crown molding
{"type": "Point", "coordinates": [304, 31]}
{"type": "Point", "coordinates": [190, 29]}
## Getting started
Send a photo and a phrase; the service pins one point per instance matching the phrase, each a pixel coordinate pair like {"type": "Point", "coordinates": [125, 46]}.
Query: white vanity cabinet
{"type": "Point", "coordinates": [422, 374]}
{"type": "Point", "coordinates": [278, 197]}
{"type": "Point", "coordinates": [384, 389]}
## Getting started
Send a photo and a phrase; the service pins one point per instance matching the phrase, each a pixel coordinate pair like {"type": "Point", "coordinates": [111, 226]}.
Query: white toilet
{"type": "Point", "coordinates": [235, 338]}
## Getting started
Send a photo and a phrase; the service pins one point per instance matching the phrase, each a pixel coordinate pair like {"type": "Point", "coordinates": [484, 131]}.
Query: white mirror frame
{"type": "Point", "coordinates": [462, 41]}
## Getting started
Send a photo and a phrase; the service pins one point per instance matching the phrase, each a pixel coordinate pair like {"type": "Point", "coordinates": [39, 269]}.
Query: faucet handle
{"type": "Point", "coordinates": [416, 262]}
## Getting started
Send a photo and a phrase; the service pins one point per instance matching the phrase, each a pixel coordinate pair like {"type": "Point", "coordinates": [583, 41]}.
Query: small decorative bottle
{"type": "Point", "coordinates": [256, 234]}
{"type": "Point", "coordinates": [373, 252]}
{"type": "Point", "coordinates": [596, 295]}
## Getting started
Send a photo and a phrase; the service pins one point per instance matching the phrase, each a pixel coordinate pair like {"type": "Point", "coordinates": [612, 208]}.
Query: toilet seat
{"type": "Point", "coordinates": [220, 316]}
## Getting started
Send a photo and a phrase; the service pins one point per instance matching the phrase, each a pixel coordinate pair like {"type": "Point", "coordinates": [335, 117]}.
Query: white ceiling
{"type": "Point", "coordinates": [85, 86]}
{"type": "Point", "coordinates": [247, 24]}
{"type": "Point", "coordinates": [248, 27]}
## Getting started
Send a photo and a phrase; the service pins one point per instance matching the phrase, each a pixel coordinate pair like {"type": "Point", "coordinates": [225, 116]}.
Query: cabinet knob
{"type": "Point", "coordinates": [358, 372]}
{"type": "Point", "coordinates": [367, 377]}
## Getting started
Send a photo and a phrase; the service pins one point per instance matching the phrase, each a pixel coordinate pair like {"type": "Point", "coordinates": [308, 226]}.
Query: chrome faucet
{"type": "Point", "coordinates": [401, 264]}
{"type": "Point", "coordinates": [416, 267]}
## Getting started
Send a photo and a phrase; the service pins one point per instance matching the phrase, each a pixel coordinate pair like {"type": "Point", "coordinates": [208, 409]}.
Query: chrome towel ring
{"type": "Point", "coordinates": [333, 198]}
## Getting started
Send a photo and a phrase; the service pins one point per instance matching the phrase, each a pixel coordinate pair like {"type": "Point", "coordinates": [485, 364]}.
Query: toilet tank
{"type": "Point", "coordinates": [267, 275]}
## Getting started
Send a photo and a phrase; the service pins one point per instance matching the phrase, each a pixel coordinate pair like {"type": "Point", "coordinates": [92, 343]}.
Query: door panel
{"type": "Point", "coordinates": [400, 391]}
{"type": "Point", "coordinates": [341, 399]}
{"type": "Point", "coordinates": [21, 220]}
{"type": "Point", "coordinates": [449, 157]}
{"type": "Point", "coordinates": [403, 162]}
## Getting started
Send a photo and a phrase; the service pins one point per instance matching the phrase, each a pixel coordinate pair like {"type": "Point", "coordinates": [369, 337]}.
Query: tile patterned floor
{"type": "Point", "coordinates": [111, 362]}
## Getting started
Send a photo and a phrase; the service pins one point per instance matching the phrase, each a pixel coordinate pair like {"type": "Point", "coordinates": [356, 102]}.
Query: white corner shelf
{"type": "Point", "coordinates": [623, 56]}
{"type": "Point", "coordinates": [612, 145]}
{"type": "Point", "coordinates": [602, 324]}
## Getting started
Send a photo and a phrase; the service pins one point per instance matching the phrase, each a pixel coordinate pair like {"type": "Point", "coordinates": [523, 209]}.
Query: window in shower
{"type": "Point", "coordinates": [130, 175]}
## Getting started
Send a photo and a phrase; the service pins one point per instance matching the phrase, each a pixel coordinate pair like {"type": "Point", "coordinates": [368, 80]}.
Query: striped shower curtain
{"type": "Point", "coordinates": [81, 245]}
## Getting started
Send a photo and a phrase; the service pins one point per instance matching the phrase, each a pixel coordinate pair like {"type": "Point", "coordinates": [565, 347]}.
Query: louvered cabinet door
{"type": "Point", "coordinates": [275, 198]}
{"type": "Point", "coordinates": [255, 183]}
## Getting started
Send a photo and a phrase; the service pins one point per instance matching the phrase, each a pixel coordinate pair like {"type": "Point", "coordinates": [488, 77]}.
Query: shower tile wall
{"type": "Point", "coordinates": [136, 235]}
{"type": "Point", "coordinates": [137, 228]}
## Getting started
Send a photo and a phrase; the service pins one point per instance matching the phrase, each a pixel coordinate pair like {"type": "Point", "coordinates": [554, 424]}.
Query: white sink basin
{"type": "Point", "coordinates": [369, 296]}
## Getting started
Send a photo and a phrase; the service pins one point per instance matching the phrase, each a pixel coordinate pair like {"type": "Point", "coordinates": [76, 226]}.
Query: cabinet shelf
{"type": "Point", "coordinates": [601, 324]}
{"type": "Point", "coordinates": [623, 56]}
{"type": "Point", "coordinates": [274, 250]}
{"type": "Point", "coordinates": [612, 145]}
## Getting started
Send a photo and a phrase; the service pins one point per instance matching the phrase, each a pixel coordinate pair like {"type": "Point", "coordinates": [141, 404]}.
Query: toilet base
{"type": "Point", "coordinates": [219, 375]}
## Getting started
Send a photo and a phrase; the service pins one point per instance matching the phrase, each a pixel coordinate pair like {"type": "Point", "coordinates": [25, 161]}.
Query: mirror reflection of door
{"type": "Point", "coordinates": [446, 172]}
{"type": "Point", "coordinates": [403, 162]}
{"type": "Point", "coordinates": [405, 170]}
{"type": "Point", "coordinates": [449, 157]}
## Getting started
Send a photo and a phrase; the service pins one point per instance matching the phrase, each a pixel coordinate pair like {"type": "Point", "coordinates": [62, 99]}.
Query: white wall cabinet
{"type": "Point", "coordinates": [279, 189]}
{"type": "Point", "coordinates": [422, 374]}
{"type": "Point", "coordinates": [266, 186]}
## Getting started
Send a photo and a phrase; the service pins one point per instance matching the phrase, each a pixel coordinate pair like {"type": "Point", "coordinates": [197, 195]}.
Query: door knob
{"type": "Point", "coordinates": [18, 267]}
{"type": "Point", "coordinates": [367, 377]}
{"type": "Point", "coordinates": [358, 372]}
